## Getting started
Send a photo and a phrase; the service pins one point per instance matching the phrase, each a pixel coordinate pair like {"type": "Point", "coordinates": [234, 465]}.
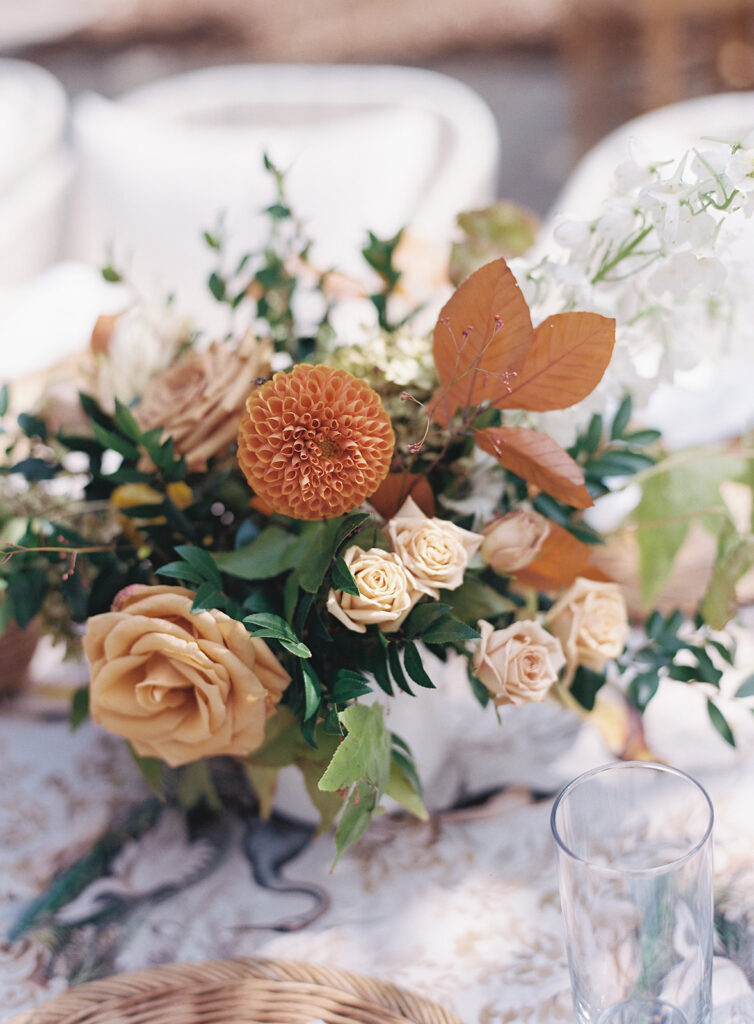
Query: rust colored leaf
{"type": "Point", "coordinates": [561, 559]}
{"type": "Point", "coordinates": [566, 362]}
{"type": "Point", "coordinates": [538, 459]}
{"type": "Point", "coordinates": [394, 490]}
{"type": "Point", "coordinates": [482, 338]}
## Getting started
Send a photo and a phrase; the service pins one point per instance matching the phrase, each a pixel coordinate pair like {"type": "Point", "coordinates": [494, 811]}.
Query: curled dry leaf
{"type": "Point", "coordinates": [396, 487]}
{"type": "Point", "coordinates": [561, 559]}
{"type": "Point", "coordinates": [482, 337]}
{"type": "Point", "coordinates": [569, 356]}
{"type": "Point", "coordinates": [538, 459]}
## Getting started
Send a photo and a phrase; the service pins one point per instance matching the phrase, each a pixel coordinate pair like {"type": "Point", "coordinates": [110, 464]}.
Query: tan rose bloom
{"type": "Point", "coordinates": [435, 551]}
{"type": "Point", "coordinates": [179, 686]}
{"type": "Point", "coordinates": [513, 541]}
{"type": "Point", "coordinates": [591, 622]}
{"type": "Point", "coordinates": [518, 664]}
{"type": "Point", "coordinates": [200, 399]}
{"type": "Point", "coordinates": [387, 592]}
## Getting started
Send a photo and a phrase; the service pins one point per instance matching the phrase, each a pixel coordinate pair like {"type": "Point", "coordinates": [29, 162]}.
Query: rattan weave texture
{"type": "Point", "coordinates": [242, 991]}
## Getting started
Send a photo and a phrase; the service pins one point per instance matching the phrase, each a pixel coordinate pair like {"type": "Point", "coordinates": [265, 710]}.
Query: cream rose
{"type": "Point", "coordinates": [519, 664]}
{"type": "Point", "coordinates": [179, 686]}
{"type": "Point", "coordinates": [435, 551]}
{"type": "Point", "coordinates": [387, 591]}
{"type": "Point", "coordinates": [591, 622]}
{"type": "Point", "coordinates": [513, 541]}
{"type": "Point", "coordinates": [200, 399]}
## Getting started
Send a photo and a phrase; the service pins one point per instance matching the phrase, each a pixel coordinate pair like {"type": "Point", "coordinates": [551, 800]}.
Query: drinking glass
{"type": "Point", "coordinates": [634, 853]}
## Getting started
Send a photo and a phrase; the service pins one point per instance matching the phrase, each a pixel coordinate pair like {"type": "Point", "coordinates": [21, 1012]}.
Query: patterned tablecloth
{"type": "Point", "coordinates": [463, 909]}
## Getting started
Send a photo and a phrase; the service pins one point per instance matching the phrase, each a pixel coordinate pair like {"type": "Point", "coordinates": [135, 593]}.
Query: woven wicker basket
{"type": "Point", "coordinates": [243, 991]}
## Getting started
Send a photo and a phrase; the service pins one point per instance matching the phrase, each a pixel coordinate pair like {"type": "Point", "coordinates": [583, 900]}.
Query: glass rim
{"type": "Point", "coordinates": [671, 865]}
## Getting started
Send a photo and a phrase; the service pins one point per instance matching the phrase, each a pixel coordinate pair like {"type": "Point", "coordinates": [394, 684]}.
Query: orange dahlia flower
{"type": "Point", "coordinates": [315, 443]}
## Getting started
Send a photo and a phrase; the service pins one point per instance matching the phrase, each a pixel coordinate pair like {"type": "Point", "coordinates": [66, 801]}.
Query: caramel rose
{"type": "Point", "coordinates": [518, 664]}
{"type": "Point", "coordinates": [179, 686]}
{"type": "Point", "coordinates": [387, 592]}
{"type": "Point", "coordinates": [591, 622]}
{"type": "Point", "coordinates": [513, 541]}
{"type": "Point", "coordinates": [199, 400]}
{"type": "Point", "coordinates": [435, 551]}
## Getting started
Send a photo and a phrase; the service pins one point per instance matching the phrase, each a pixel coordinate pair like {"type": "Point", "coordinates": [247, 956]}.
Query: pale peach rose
{"type": "Point", "coordinates": [591, 622]}
{"type": "Point", "coordinates": [178, 686]}
{"type": "Point", "coordinates": [387, 591]}
{"type": "Point", "coordinates": [518, 664]}
{"type": "Point", "coordinates": [199, 400]}
{"type": "Point", "coordinates": [435, 551]}
{"type": "Point", "coordinates": [513, 541]}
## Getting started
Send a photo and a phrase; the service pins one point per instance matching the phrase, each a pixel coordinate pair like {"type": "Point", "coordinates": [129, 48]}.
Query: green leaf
{"type": "Point", "coordinates": [216, 286]}
{"type": "Point", "coordinates": [449, 631]}
{"type": "Point", "coordinates": [586, 685]}
{"type": "Point", "coordinates": [329, 805]}
{"type": "Point", "coordinates": [671, 498]}
{"type": "Point", "coordinates": [354, 820]}
{"type": "Point", "coordinates": [32, 426]}
{"type": "Point", "coordinates": [111, 275]}
{"type": "Point", "coordinates": [320, 546]}
{"type": "Point", "coordinates": [151, 768]}
{"type": "Point", "coordinates": [278, 211]}
{"type": "Point", "coordinates": [27, 589]}
{"type": "Point", "coordinates": [593, 435]}
{"type": "Point", "coordinates": [109, 439]}
{"type": "Point", "coordinates": [379, 669]}
{"type": "Point", "coordinates": [207, 597]}
{"type": "Point", "coordinates": [364, 753]}
{"type": "Point", "coordinates": [79, 707]}
{"type": "Point", "coordinates": [641, 438]}
{"type": "Point", "coordinates": [202, 561]}
{"type": "Point", "coordinates": [617, 463]}
{"type": "Point", "coordinates": [349, 685]}
{"type": "Point", "coordinates": [746, 688]}
{"type": "Point", "coordinates": [273, 552]}
{"type": "Point", "coordinates": [474, 600]}
{"type": "Point", "coordinates": [265, 624]}
{"type": "Point", "coordinates": [126, 422]}
{"type": "Point", "coordinates": [4, 399]}
{"type": "Point", "coordinates": [735, 555]}
{"type": "Point", "coordinates": [412, 661]}
{"type": "Point", "coordinates": [720, 722]}
{"type": "Point", "coordinates": [196, 786]}
{"type": "Point", "coordinates": [349, 525]}
{"type": "Point", "coordinates": [401, 790]}
{"type": "Point", "coordinates": [263, 781]}
{"type": "Point", "coordinates": [479, 690]}
{"type": "Point", "coordinates": [312, 691]}
{"type": "Point", "coordinates": [642, 689]}
{"type": "Point", "coordinates": [424, 615]}
{"type": "Point", "coordinates": [180, 571]}
{"type": "Point", "coordinates": [342, 579]}
{"type": "Point", "coordinates": [396, 670]}
{"type": "Point", "coordinates": [35, 469]}
{"type": "Point", "coordinates": [622, 417]}
{"type": "Point", "coordinates": [212, 240]}
{"type": "Point", "coordinates": [707, 673]}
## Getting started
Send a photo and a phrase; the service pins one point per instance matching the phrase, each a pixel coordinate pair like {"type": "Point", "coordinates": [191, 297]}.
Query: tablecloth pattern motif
{"type": "Point", "coordinates": [463, 909]}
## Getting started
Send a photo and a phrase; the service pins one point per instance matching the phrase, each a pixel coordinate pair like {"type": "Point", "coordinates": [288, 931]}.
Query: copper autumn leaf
{"type": "Point", "coordinates": [539, 459]}
{"type": "Point", "coordinates": [565, 364]}
{"type": "Point", "coordinates": [561, 559]}
{"type": "Point", "coordinates": [482, 337]}
{"type": "Point", "coordinates": [394, 490]}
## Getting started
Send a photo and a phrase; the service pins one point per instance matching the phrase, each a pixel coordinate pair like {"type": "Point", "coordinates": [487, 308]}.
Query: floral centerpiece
{"type": "Point", "coordinates": [260, 533]}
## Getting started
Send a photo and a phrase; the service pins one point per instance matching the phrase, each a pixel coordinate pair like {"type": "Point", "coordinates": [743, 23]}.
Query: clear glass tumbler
{"type": "Point", "coordinates": [635, 869]}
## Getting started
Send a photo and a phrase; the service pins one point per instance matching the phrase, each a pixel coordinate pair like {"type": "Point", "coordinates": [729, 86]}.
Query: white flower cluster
{"type": "Point", "coordinates": [662, 259]}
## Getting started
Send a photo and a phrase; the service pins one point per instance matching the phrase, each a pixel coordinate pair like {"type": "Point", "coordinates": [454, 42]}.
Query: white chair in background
{"type": "Point", "coordinates": [363, 147]}
{"type": "Point", "coordinates": [35, 169]}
